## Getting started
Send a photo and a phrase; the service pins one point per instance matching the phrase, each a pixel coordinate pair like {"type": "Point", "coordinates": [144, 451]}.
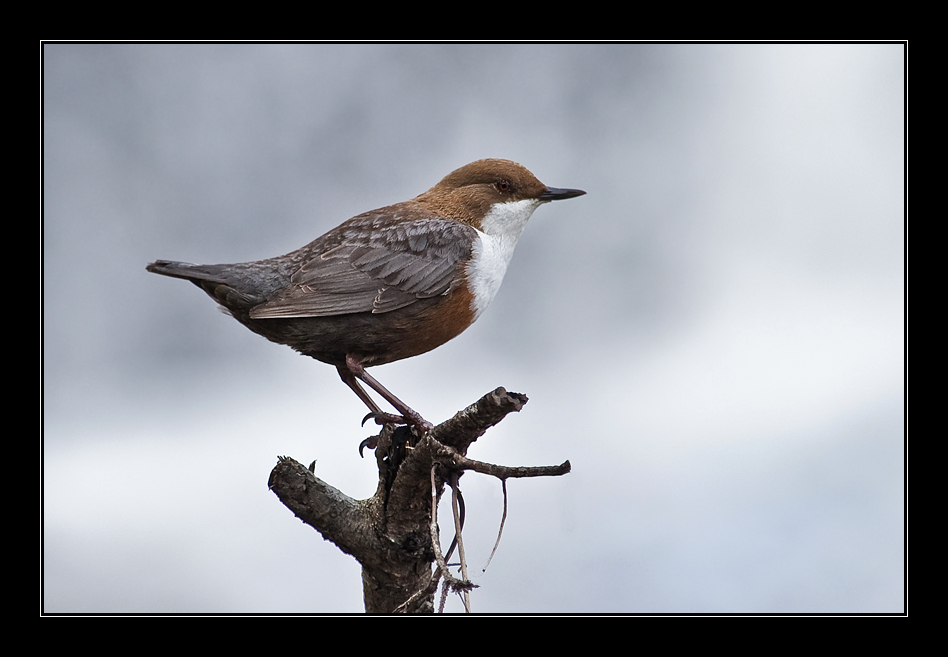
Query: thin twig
{"type": "Point", "coordinates": [461, 462]}
{"type": "Point", "coordinates": [449, 579]}
{"type": "Point", "coordinates": [409, 604]}
{"type": "Point", "coordinates": [432, 585]}
{"type": "Point", "coordinates": [444, 597]}
{"type": "Point", "coordinates": [435, 538]}
{"type": "Point", "coordinates": [503, 519]}
{"type": "Point", "coordinates": [457, 532]}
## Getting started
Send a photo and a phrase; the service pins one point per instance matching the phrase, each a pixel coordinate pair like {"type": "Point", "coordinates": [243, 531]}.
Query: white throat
{"type": "Point", "coordinates": [494, 248]}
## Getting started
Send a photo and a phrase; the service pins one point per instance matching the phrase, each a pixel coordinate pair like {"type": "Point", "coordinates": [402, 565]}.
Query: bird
{"type": "Point", "coordinates": [387, 284]}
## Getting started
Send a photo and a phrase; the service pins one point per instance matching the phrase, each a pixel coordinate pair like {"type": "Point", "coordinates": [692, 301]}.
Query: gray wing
{"type": "Point", "coordinates": [370, 264]}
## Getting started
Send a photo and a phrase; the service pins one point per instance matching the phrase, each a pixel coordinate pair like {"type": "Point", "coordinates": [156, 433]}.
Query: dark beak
{"type": "Point", "coordinates": [556, 194]}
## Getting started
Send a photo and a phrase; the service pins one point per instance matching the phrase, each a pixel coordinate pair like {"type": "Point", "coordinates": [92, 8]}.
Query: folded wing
{"type": "Point", "coordinates": [372, 265]}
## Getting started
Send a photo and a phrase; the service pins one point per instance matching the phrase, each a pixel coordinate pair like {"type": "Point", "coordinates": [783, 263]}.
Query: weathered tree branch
{"type": "Point", "coordinates": [391, 533]}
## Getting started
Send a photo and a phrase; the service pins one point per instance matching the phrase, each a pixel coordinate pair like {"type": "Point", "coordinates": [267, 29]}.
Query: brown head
{"type": "Point", "coordinates": [467, 194]}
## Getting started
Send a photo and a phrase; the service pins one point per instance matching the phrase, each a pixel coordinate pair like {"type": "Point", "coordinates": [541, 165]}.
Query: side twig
{"type": "Point", "coordinates": [453, 481]}
{"type": "Point", "coordinates": [503, 519]}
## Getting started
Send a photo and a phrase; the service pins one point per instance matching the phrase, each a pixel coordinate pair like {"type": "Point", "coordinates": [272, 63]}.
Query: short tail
{"type": "Point", "coordinates": [185, 270]}
{"type": "Point", "coordinates": [214, 280]}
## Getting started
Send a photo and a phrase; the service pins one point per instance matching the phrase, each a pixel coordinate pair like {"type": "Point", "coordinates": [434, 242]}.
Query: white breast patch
{"type": "Point", "coordinates": [494, 248]}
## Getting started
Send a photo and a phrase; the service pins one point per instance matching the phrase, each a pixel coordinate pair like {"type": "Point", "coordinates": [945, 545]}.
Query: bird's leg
{"type": "Point", "coordinates": [354, 371]}
{"type": "Point", "coordinates": [349, 379]}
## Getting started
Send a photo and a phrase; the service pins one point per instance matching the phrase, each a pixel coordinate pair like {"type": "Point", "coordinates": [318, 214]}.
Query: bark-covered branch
{"type": "Point", "coordinates": [390, 534]}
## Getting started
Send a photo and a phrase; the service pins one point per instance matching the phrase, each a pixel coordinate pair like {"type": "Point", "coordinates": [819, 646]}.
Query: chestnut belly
{"type": "Point", "coordinates": [372, 338]}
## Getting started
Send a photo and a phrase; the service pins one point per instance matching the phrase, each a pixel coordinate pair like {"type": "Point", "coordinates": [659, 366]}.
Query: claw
{"type": "Point", "coordinates": [371, 442]}
{"type": "Point", "coordinates": [390, 418]}
{"type": "Point", "coordinates": [417, 421]}
{"type": "Point", "coordinates": [384, 418]}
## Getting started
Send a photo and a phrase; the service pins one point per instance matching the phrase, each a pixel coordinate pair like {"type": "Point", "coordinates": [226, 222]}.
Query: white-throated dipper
{"type": "Point", "coordinates": [388, 284]}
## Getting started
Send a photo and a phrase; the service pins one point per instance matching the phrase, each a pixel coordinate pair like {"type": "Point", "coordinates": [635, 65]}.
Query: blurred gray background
{"type": "Point", "coordinates": [713, 335]}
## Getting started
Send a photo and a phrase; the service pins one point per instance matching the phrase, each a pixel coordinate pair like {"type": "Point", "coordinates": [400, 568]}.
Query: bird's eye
{"type": "Point", "coordinates": [503, 185]}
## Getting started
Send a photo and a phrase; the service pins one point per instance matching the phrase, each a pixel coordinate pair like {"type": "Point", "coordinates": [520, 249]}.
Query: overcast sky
{"type": "Point", "coordinates": [713, 335]}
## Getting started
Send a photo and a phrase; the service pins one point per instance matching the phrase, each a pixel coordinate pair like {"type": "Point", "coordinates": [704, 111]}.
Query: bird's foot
{"type": "Point", "coordinates": [413, 419]}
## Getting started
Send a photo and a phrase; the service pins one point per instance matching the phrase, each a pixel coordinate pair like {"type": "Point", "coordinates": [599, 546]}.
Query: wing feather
{"type": "Point", "coordinates": [372, 264]}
